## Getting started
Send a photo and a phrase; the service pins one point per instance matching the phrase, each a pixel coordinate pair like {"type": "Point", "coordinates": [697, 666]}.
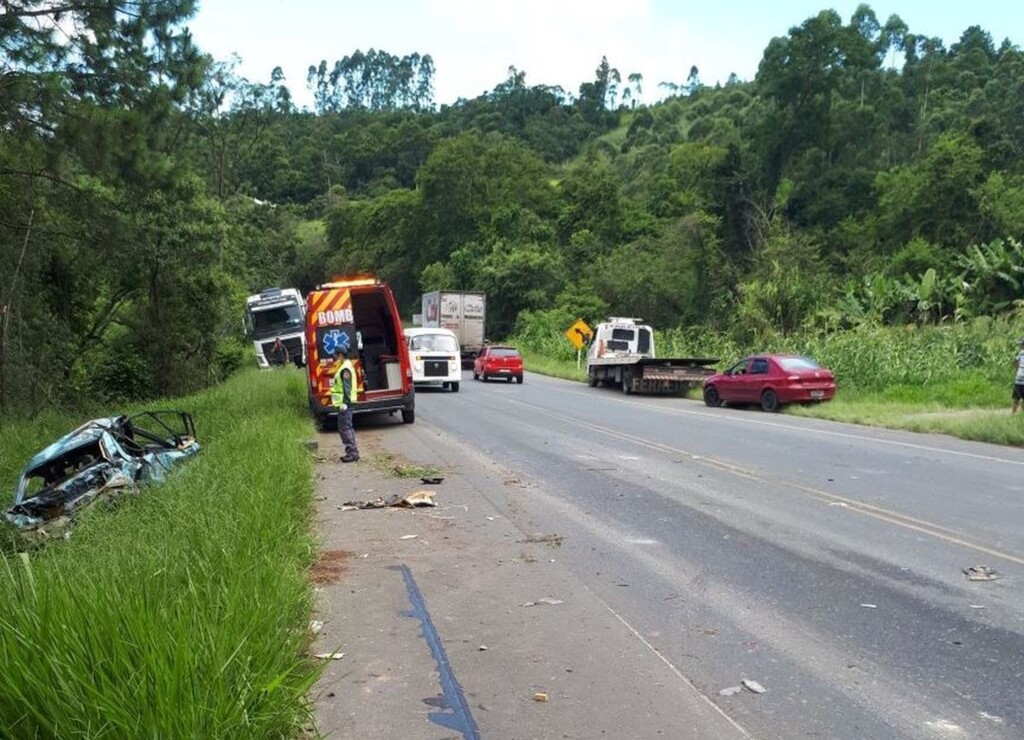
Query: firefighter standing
{"type": "Point", "coordinates": [343, 395]}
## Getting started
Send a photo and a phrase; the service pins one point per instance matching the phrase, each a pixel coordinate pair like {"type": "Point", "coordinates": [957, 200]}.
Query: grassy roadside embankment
{"type": "Point", "coordinates": [952, 380]}
{"type": "Point", "coordinates": [184, 612]}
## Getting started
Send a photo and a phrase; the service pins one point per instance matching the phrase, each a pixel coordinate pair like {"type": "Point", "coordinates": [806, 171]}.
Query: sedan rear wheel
{"type": "Point", "coordinates": [711, 397]}
{"type": "Point", "coordinates": [769, 401]}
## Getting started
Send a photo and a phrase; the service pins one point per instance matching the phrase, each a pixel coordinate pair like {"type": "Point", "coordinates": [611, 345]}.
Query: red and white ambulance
{"type": "Point", "coordinates": [358, 314]}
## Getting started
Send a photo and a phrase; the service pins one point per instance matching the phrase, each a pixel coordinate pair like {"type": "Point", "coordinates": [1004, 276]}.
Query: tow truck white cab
{"type": "Point", "coordinates": [622, 353]}
{"type": "Point", "coordinates": [434, 356]}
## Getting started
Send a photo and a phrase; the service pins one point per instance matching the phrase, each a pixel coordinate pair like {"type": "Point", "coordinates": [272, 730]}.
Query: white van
{"type": "Point", "coordinates": [434, 356]}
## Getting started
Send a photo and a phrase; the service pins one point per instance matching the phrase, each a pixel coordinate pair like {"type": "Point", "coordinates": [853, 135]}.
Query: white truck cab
{"type": "Point", "coordinates": [620, 337]}
{"type": "Point", "coordinates": [434, 354]}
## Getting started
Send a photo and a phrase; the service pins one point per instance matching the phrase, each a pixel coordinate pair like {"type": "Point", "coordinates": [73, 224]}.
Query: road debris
{"type": "Point", "coordinates": [482, 648]}
{"type": "Point", "coordinates": [977, 606]}
{"type": "Point", "coordinates": [544, 602]}
{"type": "Point", "coordinates": [840, 503]}
{"type": "Point", "coordinates": [555, 540]}
{"type": "Point", "coordinates": [432, 480]}
{"type": "Point", "coordinates": [869, 606]}
{"type": "Point", "coordinates": [753, 686]}
{"type": "Point", "coordinates": [980, 573]}
{"type": "Point", "coordinates": [732, 690]}
{"type": "Point", "coordinates": [315, 626]}
{"type": "Point", "coordinates": [408, 536]}
{"type": "Point", "coordinates": [399, 501]}
{"type": "Point", "coordinates": [540, 696]}
{"type": "Point", "coordinates": [329, 656]}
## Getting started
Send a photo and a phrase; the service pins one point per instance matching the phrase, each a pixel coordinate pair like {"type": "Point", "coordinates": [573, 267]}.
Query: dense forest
{"type": "Point", "coordinates": [867, 176]}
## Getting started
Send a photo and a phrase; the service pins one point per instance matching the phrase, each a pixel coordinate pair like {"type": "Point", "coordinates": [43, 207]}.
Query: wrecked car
{"type": "Point", "coordinates": [100, 457]}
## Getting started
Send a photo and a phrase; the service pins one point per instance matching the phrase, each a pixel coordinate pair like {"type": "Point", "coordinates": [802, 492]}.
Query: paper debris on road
{"type": "Point", "coordinates": [329, 656]}
{"type": "Point", "coordinates": [980, 573]}
{"type": "Point", "coordinates": [315, 626]}
{"type": "Point", "coordinates": [540, 696]}
{"type": "Point", "coordinates": [408, 536]}
{"type": "Point", "coordinates": [730, 691]}
{"type": "Point", "coordinates": [753, 686]}
{"type": "Point", "coordinates": [544, 602]}
{"type": "Point", "coordinates": [870, 606]}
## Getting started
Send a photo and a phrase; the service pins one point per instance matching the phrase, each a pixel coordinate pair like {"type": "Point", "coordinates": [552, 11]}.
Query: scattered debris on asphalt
{"type": "Point", "coordinates": [840, 503]}
{"type": "Point", "coordinates": [540, 696]}
{"type": "Point", "coordinates": [315, 626]}
{"type": "Point", "coordinates": [482, 648]}
{"type": "Point", "coordinates": [544, 602]}
{"type": "Point", "coordinates": [99, 459]}
{"type": "Point", "coordinates": [980, 573]}
{"type": "Point", "coordinates": [555, 540]}
{"type": "Point", "coordinates": [869, 606]}
{"type": "Point", "coordinates": [408, 536]}
{"type": "Point", "coordinates": [398, 500]}
{"type": "Point", "coordinates": [753, 686]}
{"type": "Point", "coordinates": [732, 690]}
{"type": "Point", "coordinates": [329, 656]}
{"type": "Point", "coordinates": [977, 606]}
{"type": "Point", "coordinates": [433, 480]}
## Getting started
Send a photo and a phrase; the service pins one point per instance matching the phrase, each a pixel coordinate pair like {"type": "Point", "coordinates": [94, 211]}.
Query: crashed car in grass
{"type": "Point", "coordinates": [99, 458]}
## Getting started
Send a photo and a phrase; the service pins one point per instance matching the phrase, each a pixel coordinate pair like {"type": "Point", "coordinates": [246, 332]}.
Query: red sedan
{"type": "Point", "coordinates": [771, 380]}
{"type": "Point", "coordinates": [498, 362]}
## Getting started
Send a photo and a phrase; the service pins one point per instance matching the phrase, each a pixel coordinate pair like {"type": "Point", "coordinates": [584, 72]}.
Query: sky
{"type": "Point", "coordinates": [555, 42]}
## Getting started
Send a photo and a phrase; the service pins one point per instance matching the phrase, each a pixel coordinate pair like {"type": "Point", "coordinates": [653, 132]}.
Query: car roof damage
{"type": "Point", "coordinates": [98, 459]}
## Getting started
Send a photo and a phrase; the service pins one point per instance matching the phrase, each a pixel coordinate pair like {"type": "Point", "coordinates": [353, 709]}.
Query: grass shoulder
{"type": "Point", "coordinates": [194, 588]}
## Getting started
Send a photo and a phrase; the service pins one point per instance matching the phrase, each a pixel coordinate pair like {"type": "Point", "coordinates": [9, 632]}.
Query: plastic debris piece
{"type": "Point", "coordinates": [730, 691]}
{"type": "Point", "coordinates": [408, 536]}
{"type": "Point", "coordinates": [544, 602]}
{"type": "Point", "coordinates": [540, 696]}
{"type": "Point", "coordinates": [753, 686]}
{"type": "Point", "coordinates": [870, 606]}
{"type": "Point", "coordinates": [482, 648]}
{"type": "Point", "coordinates": [432, 480]}
{"type": "Point", "coordinates": [329, 656]}
{"type": "Point", "coordinates": [315, 626]}
{"type": "Point", "coordinates": [977, 606]}
{"type": "Point", "coordinates": [980, 573]}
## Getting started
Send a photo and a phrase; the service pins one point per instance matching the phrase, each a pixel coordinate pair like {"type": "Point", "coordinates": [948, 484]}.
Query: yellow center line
{"type": "Point", "coordinates": [892, 517]}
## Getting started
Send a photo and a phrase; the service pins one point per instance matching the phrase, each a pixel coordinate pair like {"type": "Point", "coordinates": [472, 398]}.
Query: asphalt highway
{"type": "Point", "coordinates": [823, 561]}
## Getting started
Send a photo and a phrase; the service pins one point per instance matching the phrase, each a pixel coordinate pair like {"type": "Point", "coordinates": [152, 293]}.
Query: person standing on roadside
{"type": "Point", "coordinates": [1018, 382]}
{"type": "Point", "coordinates": [279, 354]}
{"type": "Point", "coordinates": [343, 394]}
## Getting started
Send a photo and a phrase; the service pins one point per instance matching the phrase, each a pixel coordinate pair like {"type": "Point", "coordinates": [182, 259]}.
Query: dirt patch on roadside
{"type": "Point", "coordinates": [329, 567]}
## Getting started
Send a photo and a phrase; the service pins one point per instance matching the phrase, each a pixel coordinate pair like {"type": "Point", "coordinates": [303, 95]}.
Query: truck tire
{"type": "Point", "coordinates": [408, 416]}
{"type": "Point", "coordinates": [454, 386]}
{"type": "Point", "coordinates": [769, 401]}
{"type": "Point", "coordinates": [592, 379]}
{"type": "Point", "coordinates": [627, 382]}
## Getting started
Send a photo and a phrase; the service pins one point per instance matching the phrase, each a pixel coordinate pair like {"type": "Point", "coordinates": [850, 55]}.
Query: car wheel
{"type": "Point", "coordinates": [519, 379]}
{"type": "Point", "coordinates": [769, 401]}
{"type": "Point", "coordinates": [711, 397]}
{"type": "Point", "coordinates": [483, 377]}
{"type": "Point", "coordinates": [408, 416]}
{"type": "Point", "coordinates": [454, 387]}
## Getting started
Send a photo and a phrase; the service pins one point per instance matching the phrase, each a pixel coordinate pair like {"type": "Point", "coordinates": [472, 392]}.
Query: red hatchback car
{"type": "Point", "coordinates": [771, 380]}
{"type": "Point", "coordinates": [498, 362]}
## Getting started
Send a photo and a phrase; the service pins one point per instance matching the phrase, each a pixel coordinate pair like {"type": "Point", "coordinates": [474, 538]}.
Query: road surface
{"type": "Point", "coordinates": [824, 561]}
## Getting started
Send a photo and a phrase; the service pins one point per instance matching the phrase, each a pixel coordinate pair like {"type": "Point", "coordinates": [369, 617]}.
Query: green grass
{"type": "Point", "coordinates": [554, 366]}
{"type": "Point", "coordinates": [393, 465]}
{"type": "Point", "coordinates": [182, 612]}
